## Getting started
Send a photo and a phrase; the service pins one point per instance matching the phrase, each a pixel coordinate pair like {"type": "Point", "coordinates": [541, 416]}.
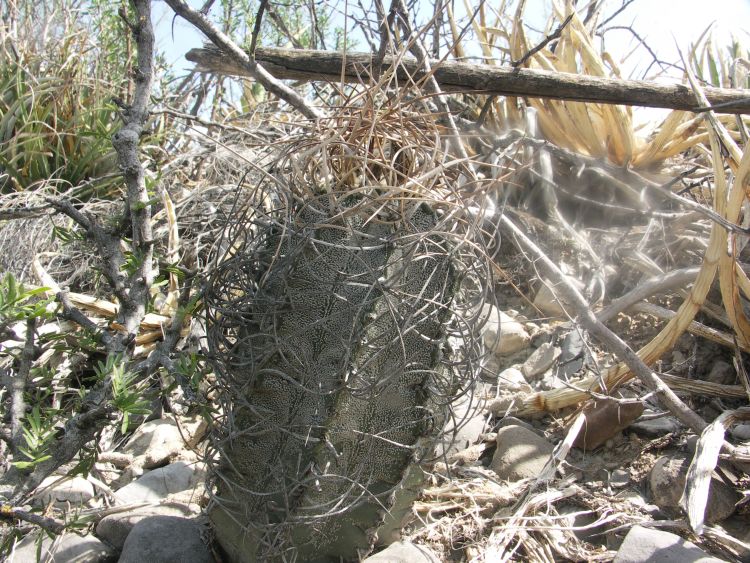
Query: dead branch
{"type": "Point", "coordinates": [132, 290]}
{"type": "Point", "coordinates": [14, 513]}
{"type": "Point", "coordinates": [247, 64]}
{"type": "Point", "coordinates": [302, 64]}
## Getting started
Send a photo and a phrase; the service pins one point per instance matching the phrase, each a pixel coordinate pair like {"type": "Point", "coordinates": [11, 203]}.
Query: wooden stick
{"type": "Point", "coordinates": [304, 64]}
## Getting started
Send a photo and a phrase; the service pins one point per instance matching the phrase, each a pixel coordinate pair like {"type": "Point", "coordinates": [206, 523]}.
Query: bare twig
{"type": "Point", "coordinates": [616, 13]}
{"type": "Point", "coordinates": [107, 245]}
{"type": "Point", "coordinates": [243, 60]}
{"type": "Point", "coordinates": [256, 27]}
{"type": "Point", "coordinates": [281, 26]}
{"type": "Point", "coordinates": [51, 525]}
{"type": "Point", "coordinates": [652, 286]}
{"type": "Point", "coordinates": [542, 44]}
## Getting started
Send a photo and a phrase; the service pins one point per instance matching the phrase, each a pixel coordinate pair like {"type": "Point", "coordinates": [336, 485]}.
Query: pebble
{"type": "Point", "coordinates": [160, 483]}
{"type": "Point", "coordinates": [520, 454]}
{"type": "Point", "coordinates": [667, 482]}
{"type": "Point", "coordinates": [644, 545]}
{"type": "Point", "coordinates": [166, 538]}
{"type": "Point", "coordinates": [75, 490]}
{"type": "Point", "coordinates": [655, 427]}
{"type": "Point", "coordinates": [604, 419]}
{"type": "Point", "coordinates": [513, 379]}
{"type": "Point", "coordinates": [540, 361]}
{"type": "Point", "coordinates": [403, 552]}
{"type": "Point", "coordinates": [502, 334]}
{"type": "Point", "coordinates": [572, 356]}
{"type": "Point", "coordinates": [620, 478]}
{"type": "Point", "coordinates": [157, 442]}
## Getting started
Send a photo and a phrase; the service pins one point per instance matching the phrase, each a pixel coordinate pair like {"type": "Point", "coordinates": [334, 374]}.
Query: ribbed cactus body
{"type": "Point", "coordinates": [335, 380]}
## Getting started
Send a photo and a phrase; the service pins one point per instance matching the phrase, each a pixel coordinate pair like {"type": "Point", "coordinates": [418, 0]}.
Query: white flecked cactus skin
{"type": "Point", "coordinates": [329, 328]}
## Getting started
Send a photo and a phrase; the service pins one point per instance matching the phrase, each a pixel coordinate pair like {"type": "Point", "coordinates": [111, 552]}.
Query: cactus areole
{"type": "Point", "coordinates": [340, 321]}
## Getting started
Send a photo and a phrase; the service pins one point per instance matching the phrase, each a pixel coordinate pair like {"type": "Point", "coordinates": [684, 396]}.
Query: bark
{"type": "Point", "coordinates": [301, 64]}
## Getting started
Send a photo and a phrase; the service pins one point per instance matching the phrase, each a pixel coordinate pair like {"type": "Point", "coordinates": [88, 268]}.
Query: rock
{"type": "Point", "coordinates": [620, 478]}
{"type": "Point", "coordinates": [637, 499]}
{"type": "Point", "coordinates": [655, 427]}
{"type": "Point", "coordinates": [403, 552]}
{"type": "Point", "coordinates": [667, 482]}
{"type": "Point", "coordinates": [470, 455]}
{"type": "Point", "coordinates": [722, 373]}
{"type": "Point", "coordinates": [504, 404]}
{"type": "Point", "coordinates": [160, 483]}
{"type": "Point", "coordinates": [75, 490]}
{"type": "Point", "coordinates": [157, 442]}
{"type": "Point", "coordinates": [166, 538]}
{"type": "Point", "coordinates": [573, 354]}
{"type": "Point", "coordinates": [540, 361]}
{"type": "Point", "coordinates": [520, 453]}
{"type": "Point", "coordinates": [546, 301]}
{"type": "Point", "coordinates": [513, 380]}
{"type": "Point", "coordinates": [741, 432]}
{"type": "Point", "coordinates": [114, 529]}
{"type": "Point", "coordinates": [513, 421]}
{"type": "Point", "coordinates": [70, 548]}
{"type": "Point", "coordinates": [604, 419]}
{"type": "Point", "coordinates": [502, 334]}
{"type": "Point", "coordinates": [643, 545]}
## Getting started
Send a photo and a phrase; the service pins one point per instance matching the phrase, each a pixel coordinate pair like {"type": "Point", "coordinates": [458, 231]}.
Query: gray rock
{"type": "Point", "coordinates": [637, 499]}
{"type": "Point", "coordinates": [655, 427]}
{"type": "Point", "coordinates": [540, 361]}
{"type": "Point", "coordinates": [403, 552]}
{"type": "Point", "coordinates": [741, 432]}
{"type": "Point", "coordinates": [620, 478]}
{"type": "Point", "coordinates": [71, 548]}
{"type": "Point", "coordinates": [114, 529]}
{"type": "Point", "coordinates": [502, 334]}
{"type": "Point", "coordinates": [166, 538]}
{"type": "Point", "coordinates": [573, 355]}
{"type": "Point", "coordinates": [156, 443]}
{"type": "Point", "coordinates": [75, 490]}
{"type": "Point", "coordinates": [520, 453]}
{"type": "Point", "coordinates": [513, 380]}
{"type": "Point", "coordinates": [513, 421]}
{"type": "Point", "coordinates": [722, 373]}
{"type": "Point", "coordinates": [160, 483]}
{"type": "Point", "coordinates": [667, 482]}
{"type": "Point", "coordinates": [644, 545]}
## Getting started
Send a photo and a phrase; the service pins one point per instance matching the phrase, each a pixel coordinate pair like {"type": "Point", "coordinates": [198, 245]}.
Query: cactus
{"type": "Point", "coordinates": [329, 321]}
